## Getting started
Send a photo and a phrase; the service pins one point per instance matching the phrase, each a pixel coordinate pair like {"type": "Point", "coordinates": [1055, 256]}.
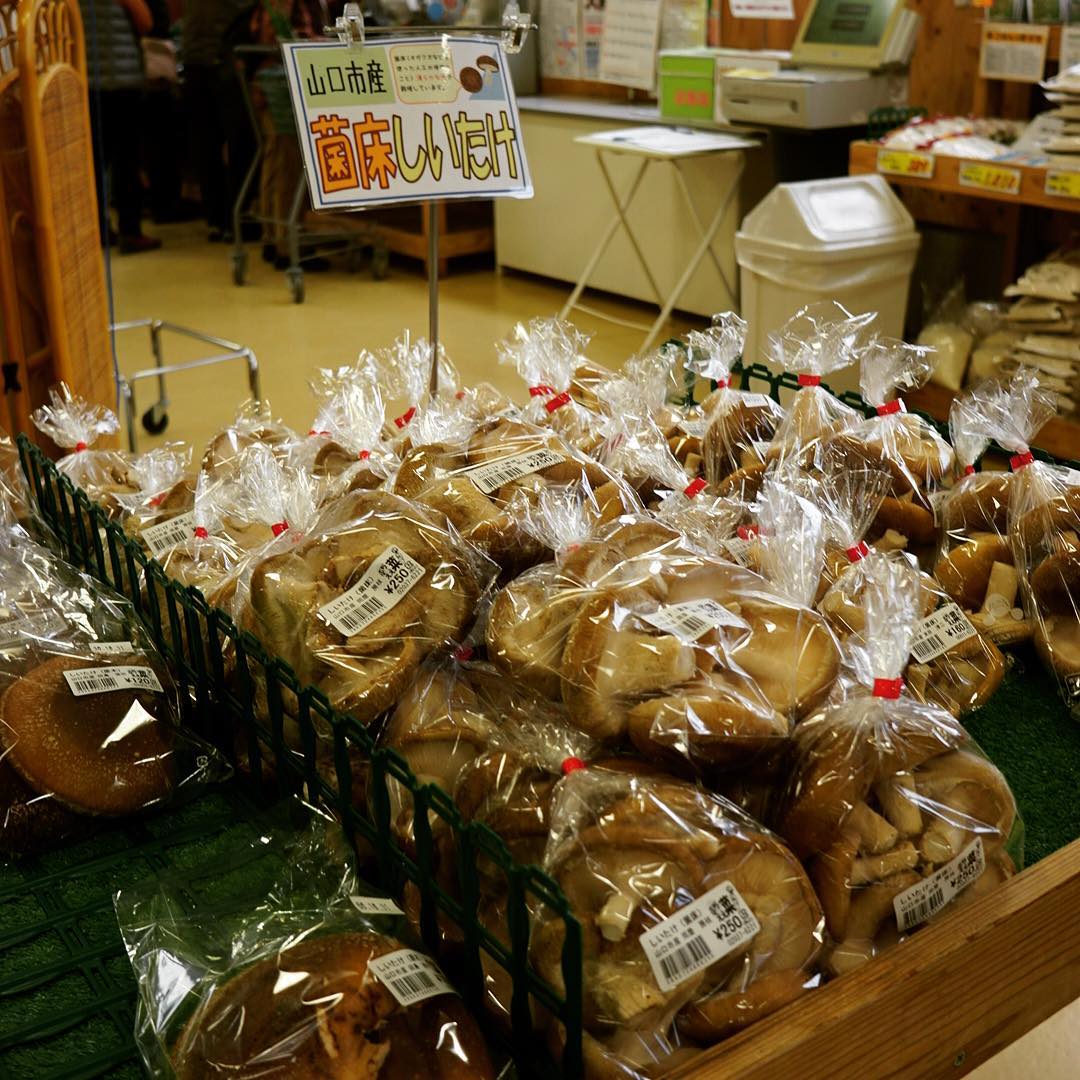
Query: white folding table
{"type": "Point", "coordinates": [652, 145]}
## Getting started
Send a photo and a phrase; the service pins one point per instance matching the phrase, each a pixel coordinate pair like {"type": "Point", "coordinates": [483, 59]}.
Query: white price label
{"type": "Point", "coordinates": [111, 648]}
{"type": "Point", "coordinates": [698, 935]}
{"type": "Point", "coordinates": [757, 401]}
{"type": "Point", "coordinates": [939, 632]}
{"type": "Point", "coordinates": [738, 550]}
{"type": "Point", "coordinates": [164, 537]}
{"type": "Point", "coordinates": [925, 900]}
{"type": "Point", "coordinates": [410, 976]}
{"type": "Point", "coordinates": [375, 905]}
{"type": "Point", "coordinates": [695, 426]}
{"type": "Point", "coordinates": [384, 584]}
{"type": "Point", "coordinates": [494, 474]}
{"type": "Point", "coordinates": [103, 680]}
{"type": "Point", "coordinates": [689, 620]}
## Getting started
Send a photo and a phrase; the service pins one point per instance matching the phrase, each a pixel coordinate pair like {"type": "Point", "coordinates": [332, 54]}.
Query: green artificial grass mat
{"type": "Point", "coordinates": [1027, 732]}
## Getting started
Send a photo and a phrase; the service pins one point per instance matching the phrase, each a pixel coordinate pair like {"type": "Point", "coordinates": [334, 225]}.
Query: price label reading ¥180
{"type": "Point", "coordinates": [999, 179]}
{"type": "Point", "coordinates": [905, 163]}
{"type": "Point", "coordinates": [1065, 183]}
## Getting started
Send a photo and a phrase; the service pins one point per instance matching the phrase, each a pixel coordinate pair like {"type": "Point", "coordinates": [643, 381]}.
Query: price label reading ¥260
{"type": "Point", "coordinates": [1000, 179]}
{"type": "Point", "coordinates": [1065, 183]}
{"type": "Point", "coordinates": [905, 163]}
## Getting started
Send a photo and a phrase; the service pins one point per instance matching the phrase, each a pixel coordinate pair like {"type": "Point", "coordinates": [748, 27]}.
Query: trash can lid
{"type": "Point", "coordinates": [822, 215]}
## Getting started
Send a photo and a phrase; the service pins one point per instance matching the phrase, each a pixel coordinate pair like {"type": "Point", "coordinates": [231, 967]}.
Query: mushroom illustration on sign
{"type": "Point", "coordinates": [484, 80]}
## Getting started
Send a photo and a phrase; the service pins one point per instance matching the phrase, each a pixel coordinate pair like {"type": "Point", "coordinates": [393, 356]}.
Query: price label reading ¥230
{"type": "Point", "coordinates": [999, 179]}
{"type": "Point", "coordinates": [1065, 183]}
{"type": "Point", "coordinates": [905, 163]}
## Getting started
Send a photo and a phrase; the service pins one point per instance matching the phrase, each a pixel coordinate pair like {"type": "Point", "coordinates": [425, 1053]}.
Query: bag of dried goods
{"type": "Point", "coordinates": [696, 921]}
{"type": "Point", "coordinates": [976, 564]}
{"type": "Point", "coordinates": [299, 970]}
{"type": "Point", "coordinates": [14, 505]}
{"type": "Point", "coordinates": [254, 424]}
{"type": "Point", "coordinates": [89, 715]}
{"type": "Point", "coordinates": [895, 810]}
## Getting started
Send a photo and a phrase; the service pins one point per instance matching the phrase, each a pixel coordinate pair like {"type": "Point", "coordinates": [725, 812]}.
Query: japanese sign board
{"type": "Point", "coordinates": [905, 163]}
{"type": "Point", "coordinates": [1013, 53]}
{"type": "Point", "coordinates": [406, 120]}
{"type": "Point", "coordinates": [1064, 183]}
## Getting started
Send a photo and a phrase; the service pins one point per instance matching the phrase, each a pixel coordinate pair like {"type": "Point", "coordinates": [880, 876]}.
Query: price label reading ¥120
{"type": "Point", "coordinates": [1065, 183]}
{"type": "Point", "coordinates": [999, 179]}
{"type": "Point", "coordinates": [905, 163]}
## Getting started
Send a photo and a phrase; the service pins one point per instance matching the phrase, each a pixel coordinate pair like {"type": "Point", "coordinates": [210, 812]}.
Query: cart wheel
{"type": "Point", "coordinates": [296, 285]}
{"type": "Point", "coordinates": [155, 420]}
{"type": "Point", "coordinates": [380, 263]}
{"type": "Point", "coordinates": [239, 267]}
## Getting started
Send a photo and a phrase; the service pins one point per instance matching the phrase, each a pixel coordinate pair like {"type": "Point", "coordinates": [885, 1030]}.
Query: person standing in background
{"type": "Point", "coordinates": [115, 75]}
{"type": "Point", "coordinates": [280, 165]}
{"type": "Point", "coordinates": [209, 91]}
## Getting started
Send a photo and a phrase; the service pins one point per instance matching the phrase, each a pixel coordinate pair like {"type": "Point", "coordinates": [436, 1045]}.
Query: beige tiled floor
{"type": "Point", "coordinates": [189, 281]}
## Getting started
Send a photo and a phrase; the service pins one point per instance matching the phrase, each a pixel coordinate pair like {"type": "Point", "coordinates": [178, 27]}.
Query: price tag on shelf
{"type": "Point", "coordinates": [905, 163]}
{"type": "Point", "coordinates": [985, 176]}
{"type": "Point", "coordinates": [1065, 183]}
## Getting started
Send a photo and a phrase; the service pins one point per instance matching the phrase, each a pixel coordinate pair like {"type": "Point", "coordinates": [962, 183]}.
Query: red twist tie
{"type": "Point", "coordinates": [157, 500]}
{"type": "Point", "coordinates": [80, 447]}
{"type": "Point", "coordinates": [695, 487]}
{"type": "Point", "coordinates": [969, 470]}
{"type": "Point", "coordinates": [558, 402]}
{"type": "Point", "coordinates": [364, 455]}
{"type": "Point", "coordinates": [859, 551]}
{"type": "Point", "coordinates": [201, 533]}
{"type": "Point", "coordinates": [723, 384]}
{"type": "Point", "coordinates": [314, 432]}
{"type": "Point", "coordinates": [405, 417]}
{"type": "Point", "coordinates": [890, 407]}
{"type": "Point", "coordinates": [1021, 461]}
{"type": "Point", "coordinates": [572, 764]}
{"type": "Point", "coordinates": [460, 395]}
{"type": "Point", "coordinates": [888, 688]}
{"type": "Point", "coordinates": [541, 390]}
{"type": "Point", "coordinates": [809, 380]}
{"type": "Point", "coordinates": [747, 532]}
{"type": "Point", "coordinates": [278, 528]}
{"type": "Point", "coordinates": [463, 653]}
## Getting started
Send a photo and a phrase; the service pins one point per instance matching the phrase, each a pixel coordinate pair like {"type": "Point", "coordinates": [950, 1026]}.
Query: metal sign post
{"type": "Point", "coordinates": [346, 113]}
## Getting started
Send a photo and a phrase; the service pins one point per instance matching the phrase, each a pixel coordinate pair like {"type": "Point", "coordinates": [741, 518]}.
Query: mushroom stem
{"type": "Point", "coordinates": [941, 842]}
{"type": "Point", "coordinates": [891, 541]}
{"type": "Point", "coordinates": [895, 795]}
{"type": "Point", "coordinates": [872, 868]}
{"type": "Point", "coordinates": [875, 833]}
{"type": "Point", "coordinates": [616, 914]}
{"type": "Point", "coordinates": [1003, 582]}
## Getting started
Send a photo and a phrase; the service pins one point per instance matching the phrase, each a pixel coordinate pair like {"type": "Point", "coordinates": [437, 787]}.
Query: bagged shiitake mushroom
{"type": "Point", "coordinates": [892, 805]}
{"type": "Point", "coordinates": [975, 563]}
{"type": "Point", "coordinates": [695, 920]}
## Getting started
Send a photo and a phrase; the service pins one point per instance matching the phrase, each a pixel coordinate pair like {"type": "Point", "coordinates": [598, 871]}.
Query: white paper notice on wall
{"type": "Point", "coordinates": [1014, 53]}
{"type": "Point", "coordinates": [762, 9]}
{"type": "Point", "coordinates": [1070, 47]}
{"type": "Point", "coordinates": [628, 47]}
{"type": "Point", "coordinates": [560, 40]}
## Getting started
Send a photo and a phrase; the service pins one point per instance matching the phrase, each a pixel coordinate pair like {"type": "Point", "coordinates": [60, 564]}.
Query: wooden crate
{"type": "Point", "coordinates": [465, 228]}
{"type": "Point", "coordinates": [937, 1005]}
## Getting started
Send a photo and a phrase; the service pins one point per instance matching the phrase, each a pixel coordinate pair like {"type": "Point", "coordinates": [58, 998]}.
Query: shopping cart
{"type": "Point", "coordinates": [260, 65]}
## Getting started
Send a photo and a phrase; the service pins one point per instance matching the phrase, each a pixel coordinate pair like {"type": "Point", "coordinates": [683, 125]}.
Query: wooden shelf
{"type": "Point", "coordinates": [863, 159]}
{"type": "Point", "coordinates": [465, 228]}
{"type": "Point", "coordinates": [1060, 437]}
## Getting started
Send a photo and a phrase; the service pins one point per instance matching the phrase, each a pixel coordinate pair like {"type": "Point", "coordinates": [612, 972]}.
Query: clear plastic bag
{"type": "Point", "coordinates": [403, 373]}
{"type": "Point", "coordinates": [818, 339]}
{"type": "Point", "coordinates": [976, 565]}
{"type": "Point", "coordinates": [476, 480]}
{"type": "Point", "coordinates": [14, 505]}
{"type": "Point", "coordinates": [89, 714]}
{"type": "Point", "coordinates": [75, 425]}
{"type": "Point", "coordinates": [696, 921]}
{"type": "Point", "coordinates": [918, 458]}
{"type": "Point", "coordinates": [738, 425]}
{"type": "Point", "coordinates": [894, 807]}
{"type": "Point", "coordinates": [254, 424]}
{"type": "Point", "coordinates": [293, 973]}
{"type": "Point", "coordinates": [375, 586]}
{"type": "Point", "coordinates": [1044, 513]}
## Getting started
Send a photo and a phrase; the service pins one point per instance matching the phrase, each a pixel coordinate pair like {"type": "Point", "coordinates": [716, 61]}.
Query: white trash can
{"type": "Point", "coordinates": [848, 239]}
